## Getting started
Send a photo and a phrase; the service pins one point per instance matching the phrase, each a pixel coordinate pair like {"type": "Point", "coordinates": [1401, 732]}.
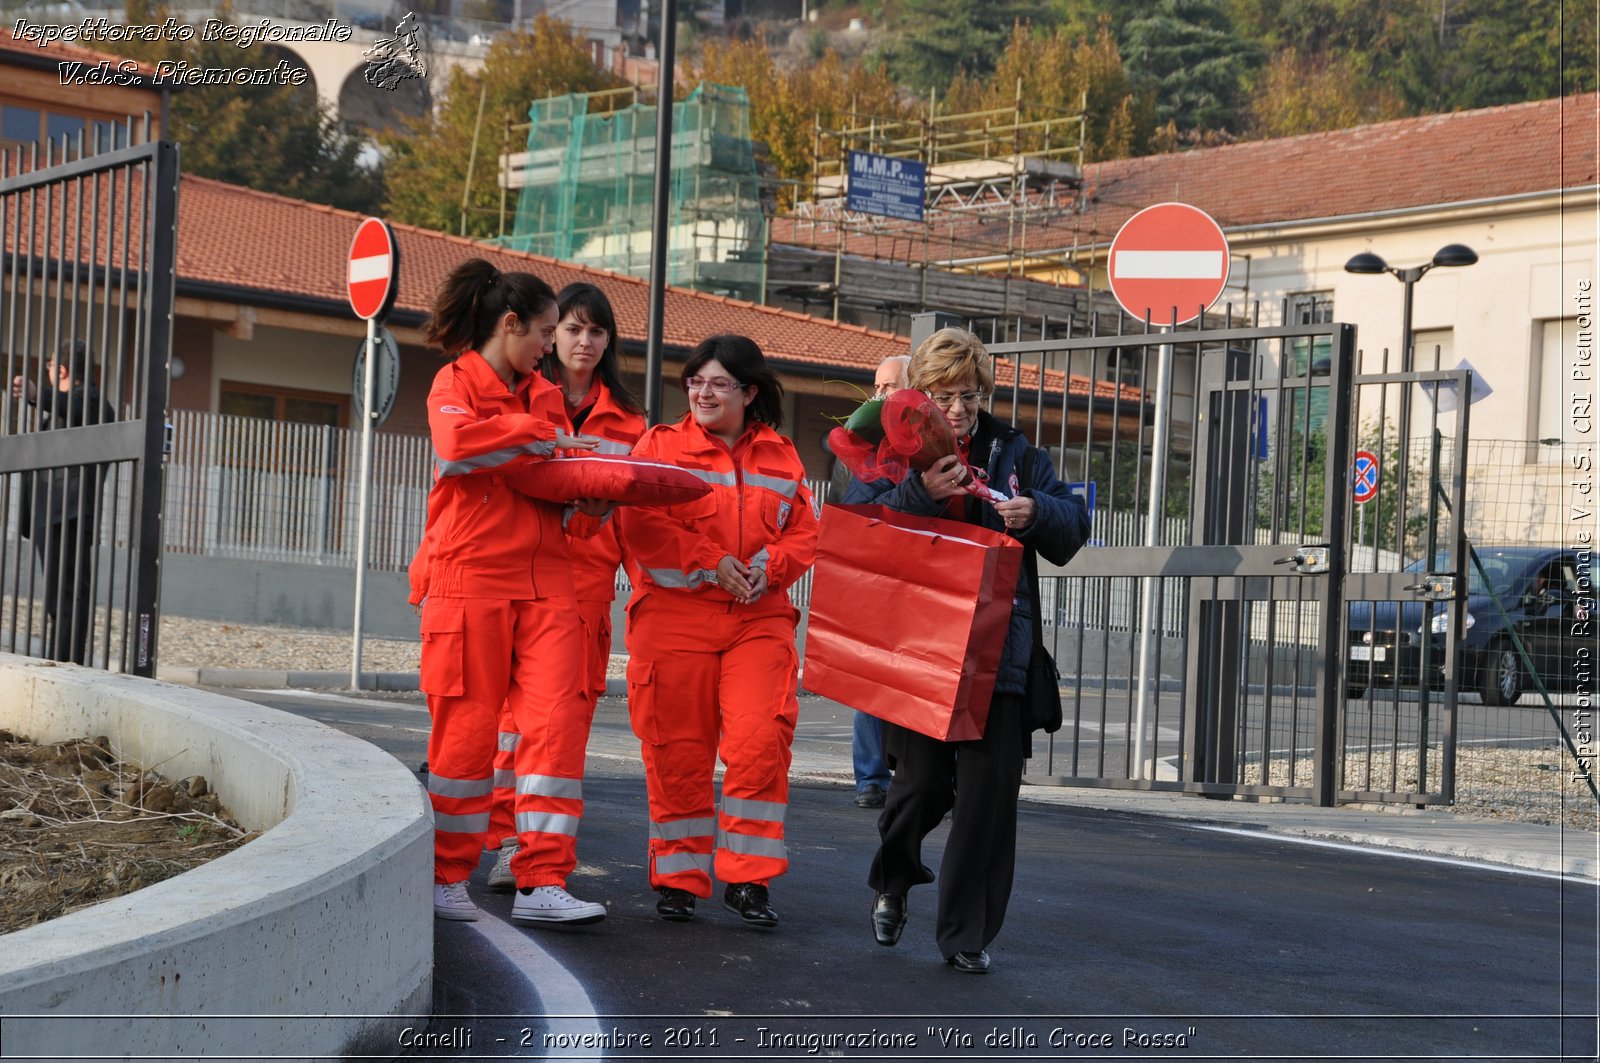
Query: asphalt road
{"type": "Point", "coordinates": [1129, 937]}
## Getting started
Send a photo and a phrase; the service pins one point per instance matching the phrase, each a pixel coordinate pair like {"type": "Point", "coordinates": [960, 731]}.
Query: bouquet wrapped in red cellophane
{"type": "Point", "coordinates": [895, 437]}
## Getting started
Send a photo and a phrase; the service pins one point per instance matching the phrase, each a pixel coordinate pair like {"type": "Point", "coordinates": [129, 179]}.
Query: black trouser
{"type": "Point", "coordinates": [66, 551]}
{"type": "Point", "coordinates": [979, 780]}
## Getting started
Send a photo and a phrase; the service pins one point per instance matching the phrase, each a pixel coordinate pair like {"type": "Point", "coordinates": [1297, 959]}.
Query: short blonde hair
{"type": "Point", "coordinates": [947, 357]}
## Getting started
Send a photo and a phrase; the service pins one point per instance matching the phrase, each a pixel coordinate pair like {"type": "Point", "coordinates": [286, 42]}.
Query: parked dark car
{"type": "Point", "coordinates": [1539, 597]}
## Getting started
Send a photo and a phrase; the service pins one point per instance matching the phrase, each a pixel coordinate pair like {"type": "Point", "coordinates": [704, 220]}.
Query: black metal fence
{"type": "Point", "coordinates": [87, 248]}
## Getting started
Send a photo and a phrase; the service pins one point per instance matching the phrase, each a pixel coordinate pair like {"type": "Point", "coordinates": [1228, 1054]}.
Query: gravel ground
{"type": "Point", "coordinates": [189, 643]}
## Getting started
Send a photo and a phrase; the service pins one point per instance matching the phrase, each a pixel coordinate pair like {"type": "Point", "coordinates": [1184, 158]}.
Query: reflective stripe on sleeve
{"type": "Point", "coordinates": [494, 459]}
{"type": "Point", "coordinates": [509, 740]}
{"type": "Point", "coordinates": [686, 581]}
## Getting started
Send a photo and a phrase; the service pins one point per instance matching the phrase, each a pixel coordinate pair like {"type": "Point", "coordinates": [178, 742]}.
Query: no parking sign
{"type": "Point", "coordinates": [1364, 476]}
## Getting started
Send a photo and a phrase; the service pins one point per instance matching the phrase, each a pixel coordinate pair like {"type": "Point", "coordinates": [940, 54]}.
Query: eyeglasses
{"type": "Point", "coordinates": [945, 400]}
{"type": "Point", "coordinates": [721, 385]}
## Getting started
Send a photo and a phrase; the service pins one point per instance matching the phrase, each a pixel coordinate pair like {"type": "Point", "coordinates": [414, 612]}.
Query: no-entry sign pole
{"type": "Point", "coordinates": [1168, 263]}
{"type": "Point", "coordinates": [372, 268]}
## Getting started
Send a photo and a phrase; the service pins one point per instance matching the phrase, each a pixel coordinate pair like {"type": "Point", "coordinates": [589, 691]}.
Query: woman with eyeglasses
{"type": "Point", "coordinates": [712, 665]}
{"type": "Point", "coordinates": [977, 781]}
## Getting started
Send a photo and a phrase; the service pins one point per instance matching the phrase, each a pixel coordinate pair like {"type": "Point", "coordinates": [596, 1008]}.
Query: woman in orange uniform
{"type": "Point", "coordinates": [712, 668]}
{"type": "Point", "coordinates": [587, 369]}
{"type": "Point", "coordinates": [497, 621]}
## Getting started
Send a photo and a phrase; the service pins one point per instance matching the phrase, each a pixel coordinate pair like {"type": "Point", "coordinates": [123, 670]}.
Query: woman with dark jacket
{"type": "Point", "coordinates": [976, 780]}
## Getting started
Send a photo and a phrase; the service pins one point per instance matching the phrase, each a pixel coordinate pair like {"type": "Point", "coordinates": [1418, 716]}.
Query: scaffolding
{"type": "Point", "coordinates": [1004, 203]}
{"type": "Point", "coordinates": [585, 188]}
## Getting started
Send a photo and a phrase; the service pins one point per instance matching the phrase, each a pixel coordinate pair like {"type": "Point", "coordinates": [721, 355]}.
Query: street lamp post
{"type": "Point", "coordinates": [1448, 255]}
{"type": "Point", "coordinates": [1368, 262]}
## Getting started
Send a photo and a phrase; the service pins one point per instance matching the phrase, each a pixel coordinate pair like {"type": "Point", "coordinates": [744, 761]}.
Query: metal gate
{"type": "Point", "coordinates": [1203, 635]}
{"type": "Point", "coordinates": [87, 240]}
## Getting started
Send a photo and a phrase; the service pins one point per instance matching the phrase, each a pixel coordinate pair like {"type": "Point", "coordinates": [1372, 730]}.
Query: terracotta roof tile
{"type": "Point", "coordinates": [57, 51]}
{"type": "Point", "coordinates": [1432, 160]}
{"type": "Point", "coordinates": [248, 239]}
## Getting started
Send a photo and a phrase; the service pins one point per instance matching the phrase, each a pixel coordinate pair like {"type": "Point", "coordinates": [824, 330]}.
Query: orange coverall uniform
{"type": "Point", "coordinates": [497, 627]}
{"type": "Point", "coordinates": [594, 574]}
{"type": "Point", "coordinates": [704, 667]}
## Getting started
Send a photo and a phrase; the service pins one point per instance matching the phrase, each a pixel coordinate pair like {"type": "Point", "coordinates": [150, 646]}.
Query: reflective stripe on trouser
{"type": "Point", "coordinates": [502, 814]}
{"type": "Point", "coordinates": [697, 670]}
{"type": "Point", "coordinates": [480, 654]}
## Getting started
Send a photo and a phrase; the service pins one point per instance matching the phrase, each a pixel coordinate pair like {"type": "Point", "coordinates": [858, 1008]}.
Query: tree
{"type": "Point", "coordinates": [1064, 73]}
{"type": "Point", "coordinates": [277, 137]}
{"type": "Point", "coordinates": [1507, 51]}
{"type": "Point", "coordinates": [427, 167]}
{"type": "Point", "coordinates": [786, 109]}
{"type": "Point", "coordinates": [1187, 55]}
{"type": "Point", "coordinates": [1310, 94]}
{"type": "Point", "coordinates": [940, 39]}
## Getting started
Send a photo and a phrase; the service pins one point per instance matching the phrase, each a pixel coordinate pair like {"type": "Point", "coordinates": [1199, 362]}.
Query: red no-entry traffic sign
{"type": "Point", "coordinates": [1166, 259]}
{"type": "Point", "coordinates": [373, 266]}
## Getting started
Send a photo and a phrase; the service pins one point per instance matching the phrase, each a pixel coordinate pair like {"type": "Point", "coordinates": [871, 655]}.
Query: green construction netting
{"type": "Point", "coordinates": [587, 194]}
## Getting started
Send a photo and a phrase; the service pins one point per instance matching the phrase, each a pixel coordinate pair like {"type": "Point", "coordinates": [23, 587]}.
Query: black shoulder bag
{"type": "Point", "coordinates": [1042, 698]}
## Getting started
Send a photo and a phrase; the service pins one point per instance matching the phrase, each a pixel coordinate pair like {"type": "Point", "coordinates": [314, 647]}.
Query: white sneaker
{"type": "Point", "coordinates": [501, 877]}
{"type": "Point", "coordinates": [450, 901]}
{"type": "Point", "coordinates": [553, 904]}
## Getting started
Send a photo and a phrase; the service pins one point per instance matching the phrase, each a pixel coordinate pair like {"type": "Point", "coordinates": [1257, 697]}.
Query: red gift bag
{"type": "Point", "coordinates": [909, 617]}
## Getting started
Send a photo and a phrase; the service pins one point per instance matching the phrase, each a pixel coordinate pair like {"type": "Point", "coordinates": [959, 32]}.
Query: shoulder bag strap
{"type": "Point", "coordinates": [1030, 558]}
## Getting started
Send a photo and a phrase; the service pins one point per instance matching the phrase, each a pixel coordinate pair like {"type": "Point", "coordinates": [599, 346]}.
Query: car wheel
{"type": "Point", "coordinates": [1501, 676]}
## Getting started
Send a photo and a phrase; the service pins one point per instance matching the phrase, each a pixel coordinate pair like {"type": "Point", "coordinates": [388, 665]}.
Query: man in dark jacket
{"type": "Point", "coordinates": [61, 506]}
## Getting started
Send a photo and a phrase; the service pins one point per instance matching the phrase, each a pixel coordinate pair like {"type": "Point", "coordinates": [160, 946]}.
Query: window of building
{"type": "Point", "coordinates": [282, 404]}
{"type": "Point", "coordinates": [1547, 382]}
{"type": "Point", "coordinates": [19, 126]}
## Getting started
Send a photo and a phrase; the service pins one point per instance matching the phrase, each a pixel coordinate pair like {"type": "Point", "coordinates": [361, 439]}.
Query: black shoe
{"type": "Point", "coordinates": [888, 917]}
{"type": "Point", "coordinates": [675, 905]}
{"type": "Point", "coordinates": [970, 962]}
{"type": "Point", "coordinates": [871, 797]}
{"type": "Point", "coordinates": [749, 901]}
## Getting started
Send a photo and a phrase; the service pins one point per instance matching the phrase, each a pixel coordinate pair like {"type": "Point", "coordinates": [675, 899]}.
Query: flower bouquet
{"type": "Point", "coordinates": [895, 437]}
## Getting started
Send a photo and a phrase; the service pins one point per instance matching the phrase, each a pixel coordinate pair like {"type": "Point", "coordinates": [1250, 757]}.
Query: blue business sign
{"type": "Point", "coordinates": [878, 184]}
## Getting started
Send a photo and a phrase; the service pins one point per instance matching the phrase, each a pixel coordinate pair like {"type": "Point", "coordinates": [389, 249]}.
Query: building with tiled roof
{"type": "Point", "coordinates": [53, 89]}
{"type": "Point", "coordinates": [1518, 184]}
{"type": "Point", "coordinates": [262, 314]}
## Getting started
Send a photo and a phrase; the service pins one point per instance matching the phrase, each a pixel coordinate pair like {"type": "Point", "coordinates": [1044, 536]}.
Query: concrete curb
{"type": "Point", "coordinates": [316, 938]}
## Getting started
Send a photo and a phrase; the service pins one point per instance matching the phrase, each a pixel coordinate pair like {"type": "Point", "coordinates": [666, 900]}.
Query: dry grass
{"type": "Point", "coordinates": [79, 825]}
{"type": "Point", "coordinates": [1496, 782]}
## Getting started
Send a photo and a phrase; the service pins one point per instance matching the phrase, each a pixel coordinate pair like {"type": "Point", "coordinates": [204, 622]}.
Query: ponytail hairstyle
{"type": "Point", "coordinates": [743, 360]}
{"type": "Point", "coordinates": [591, 305]}
{"type": "Point", "coordinates": [474, 298]}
